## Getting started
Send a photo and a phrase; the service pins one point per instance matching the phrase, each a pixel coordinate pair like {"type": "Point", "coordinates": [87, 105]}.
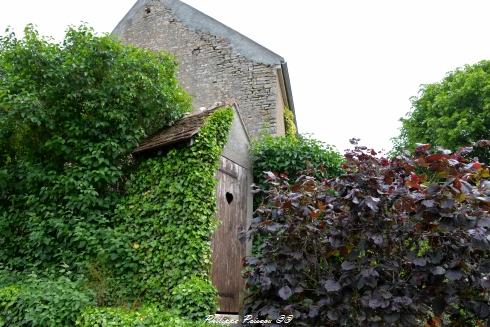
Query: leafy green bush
{"type": "Point", "coordinates": [43, 302]}
{"type": "Point", "coordinates": [148, 316]}
{"type": "Point", "coordinates": [69, 116]}
{"type": "Point", "coordinates": [381, 245]}
{"type": "Point", "coordinates": [9, 313]}
{"type": "Point", "coordinates": [195, 298]}
{"type": "Point", "coordinates": [292, 156]}
{"type": "Point", "coordinates": [8, 277]}
{"type": "Point", "coordinates": [451, 113]}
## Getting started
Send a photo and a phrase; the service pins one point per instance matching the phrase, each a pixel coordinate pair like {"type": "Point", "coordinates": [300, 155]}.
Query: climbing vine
{"type": "Point", "coordinates": [289, 124]}
{"type": "Point", "coordinates": [166, 221]}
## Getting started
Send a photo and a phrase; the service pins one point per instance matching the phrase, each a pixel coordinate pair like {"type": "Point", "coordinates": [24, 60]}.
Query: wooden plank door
{"type": "Point", "coordinates": [228, 249]}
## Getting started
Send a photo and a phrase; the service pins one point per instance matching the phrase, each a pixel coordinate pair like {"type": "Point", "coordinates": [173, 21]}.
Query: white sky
{"type": "Point", "coordinates": [353, 64]}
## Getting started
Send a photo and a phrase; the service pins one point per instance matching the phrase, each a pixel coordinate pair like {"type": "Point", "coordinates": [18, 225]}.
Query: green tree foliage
{"type": "Point", "coordinates": [69, 115]}
{"type": "Point", "coordinates": [451, 113]}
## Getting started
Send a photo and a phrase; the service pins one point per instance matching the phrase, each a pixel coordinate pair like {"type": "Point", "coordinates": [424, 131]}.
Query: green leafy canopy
{"type": "Point", "coordinates": [69, 115]}
{"type": "Point", "coordinates": [451, 113]}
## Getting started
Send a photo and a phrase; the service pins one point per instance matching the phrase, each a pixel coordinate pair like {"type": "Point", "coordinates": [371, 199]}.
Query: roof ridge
{"type": "Point", "coordinates": [197, 20]}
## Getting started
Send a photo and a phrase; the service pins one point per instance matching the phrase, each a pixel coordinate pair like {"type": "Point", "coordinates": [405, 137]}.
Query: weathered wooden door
{"type": "Point", "coordinates": [228, 248]}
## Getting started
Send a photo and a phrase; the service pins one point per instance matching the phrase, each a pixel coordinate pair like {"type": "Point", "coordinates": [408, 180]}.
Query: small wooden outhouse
{"type": "Point", "coordinates": [234, 200]}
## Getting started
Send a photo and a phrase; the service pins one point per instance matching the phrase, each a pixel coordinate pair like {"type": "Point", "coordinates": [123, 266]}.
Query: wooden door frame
{"type": "Point", "coordinates": [239, 178]}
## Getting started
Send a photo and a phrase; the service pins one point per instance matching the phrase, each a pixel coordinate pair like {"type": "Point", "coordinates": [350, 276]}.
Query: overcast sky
{"type": "Point", "coordinates": [353, 64]}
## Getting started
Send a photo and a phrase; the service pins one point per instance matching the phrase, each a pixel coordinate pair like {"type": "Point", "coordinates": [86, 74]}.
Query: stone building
{"type": "Point", "coordinates": [216, 62]}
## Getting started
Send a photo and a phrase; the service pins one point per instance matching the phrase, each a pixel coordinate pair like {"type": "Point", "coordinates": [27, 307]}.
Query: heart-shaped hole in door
{"type": "Point", "coordinates": [229, 197]}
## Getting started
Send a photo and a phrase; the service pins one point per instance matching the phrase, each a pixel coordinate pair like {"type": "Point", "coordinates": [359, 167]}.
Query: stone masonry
{"type": "Point", "coordinates": [215, 62]}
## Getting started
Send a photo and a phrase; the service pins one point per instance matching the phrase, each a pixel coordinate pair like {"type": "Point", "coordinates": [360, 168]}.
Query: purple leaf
{"type": "Point", "coordinates": [392, 317]}
{"type": "Point", "coordinates": [270, 267]}
{"type": "Point", "coordinates": [376, 302]}
{"type": "Point", "coordinates": [333, 315]}
{"type": "Point", "coordinates": [420, 262]}
{"type": "Point", "coordinates": [433, 189]}
{"type": "Point", "coordinates": [466, 187]}
{"type": "Point", "coordinates": [285, 292]}
{"type": "Point", "coordinates": [438, 270]}
{"type": "Point", "coordinates": [484, 222]}
{"type": "Point", "coordinates": [452, 162]}
{"type": "Point", "coordinates": [428, 203]}
{"type": "Point", "coordinates": [465, 150]}
{"type": "Point", "coordinates": [436, 258]}
{"type": "Point", "coordinates": [332, 286]}
{"type": "Point", "coordinates": [348, 265]}
{"type": "Point", "coordinates": [481, 309]}
{"type": "Point", "coordinates": [377, 239]}
{"type": "Point", "coordinates": [485, 199]}
{"type": "Point", "coordinates": [454, 275]}
{"type": "Point", "coordinates": [266, 282]}
{"type": "Point", "coordinates": [314, 309]}
{"type": "Point", "coordinates": [371, 282]}
{"type": "Point", "coordinates": [485, 283]}
{"type": "Point", "coordinates": [372, 203]}
{"type": "Point", "coordinates": [447, 203]}
{"type": "Point", "coordinates": [270, 175]}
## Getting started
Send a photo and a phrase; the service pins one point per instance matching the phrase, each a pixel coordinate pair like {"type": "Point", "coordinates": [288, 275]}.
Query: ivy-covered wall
{"type": "Point", "coordinates": [167, 220]}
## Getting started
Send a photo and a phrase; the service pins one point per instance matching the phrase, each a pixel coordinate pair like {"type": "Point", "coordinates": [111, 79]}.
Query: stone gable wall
{"type": "Point", "coordinates": [210, 69]}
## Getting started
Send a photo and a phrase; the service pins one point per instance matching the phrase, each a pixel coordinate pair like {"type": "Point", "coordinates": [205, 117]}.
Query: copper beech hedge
{"type": "Point", "coordinates": [391, 242]}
